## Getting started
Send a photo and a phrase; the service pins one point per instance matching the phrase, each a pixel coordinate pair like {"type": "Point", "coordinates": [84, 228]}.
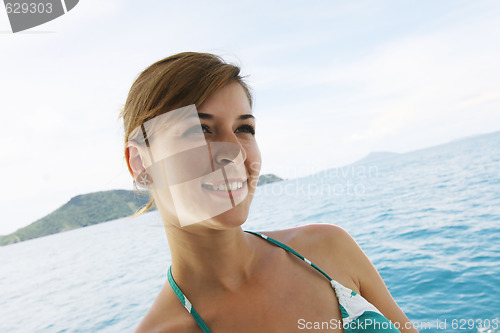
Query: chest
{"type": "Point", "coordinates": [288, 297]}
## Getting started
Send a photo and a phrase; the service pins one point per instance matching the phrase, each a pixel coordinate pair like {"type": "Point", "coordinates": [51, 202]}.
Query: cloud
{"type": "Point", "coordinates": [332, 82]}
{"type": "Point", "coordinates": [405, 93]}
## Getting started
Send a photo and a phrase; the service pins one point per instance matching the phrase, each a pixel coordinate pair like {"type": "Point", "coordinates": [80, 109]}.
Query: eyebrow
{"type": "Point", "coordinates": [202, 115]}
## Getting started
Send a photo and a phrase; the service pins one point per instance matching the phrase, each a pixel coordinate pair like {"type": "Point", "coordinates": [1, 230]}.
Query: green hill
{"type": "Point", "coordinates": [81, 211]}
{"type": "Point", "coordinates": [88, 209]}
{"type": "Point", "coordinates": [269, 178]}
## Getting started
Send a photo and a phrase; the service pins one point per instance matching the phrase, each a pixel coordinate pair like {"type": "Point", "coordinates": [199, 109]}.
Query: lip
{"type": "Point", "coordinates": [222, 181]}
{"type": "Point", "coordinates": [236, 194]}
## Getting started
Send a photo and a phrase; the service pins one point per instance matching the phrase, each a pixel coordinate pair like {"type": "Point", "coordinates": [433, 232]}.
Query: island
{"type": "Point", "coordinates": [89, 209]}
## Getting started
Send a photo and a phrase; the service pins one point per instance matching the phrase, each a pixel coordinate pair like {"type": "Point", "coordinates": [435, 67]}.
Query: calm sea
{"type": "Point", "coordinates": [429, 220]}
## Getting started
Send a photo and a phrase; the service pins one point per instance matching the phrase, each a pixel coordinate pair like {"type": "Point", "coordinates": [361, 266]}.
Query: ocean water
{"type": "Point", "coordinates": [429, 220]}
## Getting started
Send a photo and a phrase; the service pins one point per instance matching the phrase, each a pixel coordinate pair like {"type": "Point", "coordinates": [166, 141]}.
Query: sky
{"type": "Point", "coordinates": [332, 82]}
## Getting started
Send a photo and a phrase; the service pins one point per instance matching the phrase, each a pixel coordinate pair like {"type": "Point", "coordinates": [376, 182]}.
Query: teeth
{"type": "Point", "coordinates": [232, 186]}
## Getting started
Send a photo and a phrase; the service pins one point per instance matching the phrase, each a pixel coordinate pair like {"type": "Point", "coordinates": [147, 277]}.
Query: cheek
{"type": "Point", "coordinates": [253, 160]}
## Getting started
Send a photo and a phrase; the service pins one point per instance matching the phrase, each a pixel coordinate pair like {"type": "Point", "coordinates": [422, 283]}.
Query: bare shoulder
{"type": "Point", "coordinates": [333, 250]}
{"type": "Point", "coordinates": [329, 246]}
{"type": "Point", "coordinates": [316, 236]}
{"type": "Point", "coordinates": [166, 315]}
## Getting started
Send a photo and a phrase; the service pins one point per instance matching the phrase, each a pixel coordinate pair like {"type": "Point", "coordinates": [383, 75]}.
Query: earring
{"type": "Point", "coordinates": [145, 179]}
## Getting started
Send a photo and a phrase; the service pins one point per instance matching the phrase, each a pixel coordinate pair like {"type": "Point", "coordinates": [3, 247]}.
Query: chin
{"type": "Point", "coordinates": [232, 218]}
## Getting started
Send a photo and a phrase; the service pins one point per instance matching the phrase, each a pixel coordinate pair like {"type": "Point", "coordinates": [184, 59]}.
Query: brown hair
{"type": "Point", "coordinates": [179, 80]}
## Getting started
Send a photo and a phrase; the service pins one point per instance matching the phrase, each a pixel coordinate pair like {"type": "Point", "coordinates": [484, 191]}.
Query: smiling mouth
{"type": "Point", "coordinates": [229, 186]}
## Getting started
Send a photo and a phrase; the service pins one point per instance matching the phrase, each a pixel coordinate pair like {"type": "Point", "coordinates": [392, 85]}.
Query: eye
{"type": "Point", "coordinates": [246, 129]}
{"type": "Point", "coordinates": [197, 130]}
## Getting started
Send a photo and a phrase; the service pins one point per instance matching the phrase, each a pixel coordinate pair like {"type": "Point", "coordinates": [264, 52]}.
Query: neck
{"type": "Point", "coordinates": [218, 259]}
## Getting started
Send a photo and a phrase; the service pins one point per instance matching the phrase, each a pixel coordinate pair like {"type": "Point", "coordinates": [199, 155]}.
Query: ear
{"type": "Point", "coordinates": [135, 163]}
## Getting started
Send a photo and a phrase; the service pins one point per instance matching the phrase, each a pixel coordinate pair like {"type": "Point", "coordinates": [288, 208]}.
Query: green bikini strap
{"type": "Point", "coordinates": [187, 304]}
{"type": "Point", "coordinates": [289, 249]}
{"type": "Point", "coordinates": [285, 247]}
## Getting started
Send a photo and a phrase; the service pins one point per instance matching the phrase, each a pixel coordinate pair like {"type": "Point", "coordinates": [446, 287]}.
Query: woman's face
{"type": "Point", "coordinates": [206, 162]}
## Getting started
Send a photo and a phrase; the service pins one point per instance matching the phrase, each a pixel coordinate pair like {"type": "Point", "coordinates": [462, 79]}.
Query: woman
{"type": "Point", "coordinates": [190, 140]}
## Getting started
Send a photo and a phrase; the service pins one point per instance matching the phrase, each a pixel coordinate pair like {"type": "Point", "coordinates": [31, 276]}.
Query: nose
{"type": "Point", "coordinates": [227, 151]}
{"type": "Point", "coordinates": [224, 153]}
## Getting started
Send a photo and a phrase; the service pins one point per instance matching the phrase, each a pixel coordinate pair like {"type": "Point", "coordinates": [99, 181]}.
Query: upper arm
{"type": "Point", "coordinates": [329, 245]}
{"type": "Point", "coordinates": [165, 323]}
{"type": "Point", "coordinates": [370, 283]}
{"type": "Point", "coordinates": [166, 314]}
